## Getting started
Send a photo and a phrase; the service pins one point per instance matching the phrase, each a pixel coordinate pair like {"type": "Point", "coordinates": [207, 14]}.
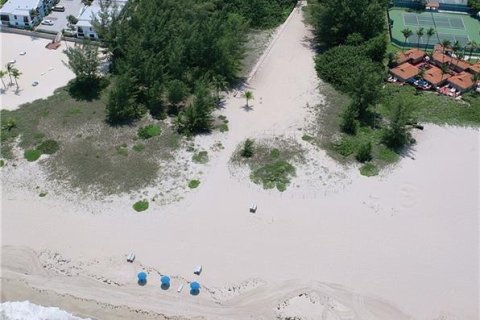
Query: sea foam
{"type": "Point", "coordinates": [26, 310]}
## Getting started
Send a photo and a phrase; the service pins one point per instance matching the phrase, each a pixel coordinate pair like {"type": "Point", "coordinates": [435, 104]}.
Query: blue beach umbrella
{"type": "Point", "coordinates": [142, 277]}
{"type": "Point", "coordinates": [195, 286]}
{"type": "Point", "coordinates": [165, 280]}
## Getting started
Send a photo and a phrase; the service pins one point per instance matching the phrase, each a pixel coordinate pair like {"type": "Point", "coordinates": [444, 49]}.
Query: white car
{"type": "Point", "coordinates": [47, 22]}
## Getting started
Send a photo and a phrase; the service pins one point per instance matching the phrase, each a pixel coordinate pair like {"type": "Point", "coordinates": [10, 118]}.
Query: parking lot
{"type": "Point", "coordinates": [72, 7]}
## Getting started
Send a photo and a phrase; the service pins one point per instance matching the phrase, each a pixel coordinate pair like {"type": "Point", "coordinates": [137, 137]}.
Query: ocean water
{"type": "Point", "coordinates": [26, 310]}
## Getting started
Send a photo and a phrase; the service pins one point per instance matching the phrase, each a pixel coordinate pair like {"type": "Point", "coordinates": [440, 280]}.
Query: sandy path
{"type": "Point", "coordinates": [409, 238]}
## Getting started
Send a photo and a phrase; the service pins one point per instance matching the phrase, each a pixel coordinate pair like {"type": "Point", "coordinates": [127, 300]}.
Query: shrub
{"type": "Point", "coordinates": [248, 149]}
{"type": "Point", "coordinates": [369, 170]}
{"type": "Point", "coordinates": [141, 205]}
{"type": "Point", "coordinates": [43, 194]}
{"type": "Point", "coordinates": [138, 147]}
{"type": "Point", "coordinates": [307, 138]}
{"type": "Point", "coordinates": [193, 184]}
{"type": "Point", "coordinates": [2, 163]}
{"type": "Point", "coordinates": [48, 147]}
{"type": "Point", "coordinates": [276, 174]}
{"type": "Point", "coordinates": [32, 155]}
{"type": "Point", "coordinates": [348, 123]}
{"type": "Point", "coordinates": [364, 152]}
{"type": "Point", "coordinates": [275, 153]}
{"type": "Point", "coordinates": [200, 157]}
{"type": "Point", "coordinates": [222, 127]}
{"type": "Point", "coordinates": [122, 150]}
{"type": "Point", "coordinates": [149, 131]}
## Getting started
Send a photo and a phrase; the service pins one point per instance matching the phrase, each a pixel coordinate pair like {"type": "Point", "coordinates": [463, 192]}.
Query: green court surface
{"type": "Point", "coordinates": [449, 26]}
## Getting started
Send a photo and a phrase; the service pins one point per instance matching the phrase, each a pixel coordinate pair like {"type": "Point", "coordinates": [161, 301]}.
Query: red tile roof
{"type": "Point", "coordinates": [434, 76]}
{"type": "Point", "coordinates": [441, 58]}
{"type": "Point", "coordinates": [462, 64]}
{"type": "Point", "coordinates": [475, 67]}
{"type": "Point", "coordinates": [463, 80]}
{"type": "Point", "coordinates": [405, 71]}
{"type": "Point", "coordinates": [412, 54]}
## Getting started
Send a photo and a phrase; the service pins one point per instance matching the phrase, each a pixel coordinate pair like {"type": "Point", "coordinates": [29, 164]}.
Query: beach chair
{"type": "Point", "coordinates": [130, 257]}
{"type": "Point", "coordinates": [253, 208]}
{"type": "Point", "coordinates": [197, 270]}
{"type": "Point", "coordinates": [180, 287]}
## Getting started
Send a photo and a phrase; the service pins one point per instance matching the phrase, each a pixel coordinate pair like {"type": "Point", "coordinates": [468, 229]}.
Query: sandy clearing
{"type": "Point", "coordinates": [38, 64]}
{"type": "Point", "coordinates": [405, 242]}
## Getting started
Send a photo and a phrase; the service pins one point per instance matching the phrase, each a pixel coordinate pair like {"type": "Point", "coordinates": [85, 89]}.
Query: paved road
{"type": "Point", "coordinates": [72, 7]}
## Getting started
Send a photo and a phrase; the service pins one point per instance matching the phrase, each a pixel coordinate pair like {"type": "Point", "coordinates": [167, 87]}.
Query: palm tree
{"type": "Point", "coordinates": [445, 45]}
{"type": "Point", "coordinates": [430, 33]}
{"type": "Point", "coordinates": [407, 33]}
{"type": "Point", "coordinates": [3, 74]}
{"type": "Point", "coordinates": [472, 45]}
{"type": "Point", "coordinates": [421, 72]}
{"type": "Point", "coordinates": [455, 48]}
{"type": "Point", "coordinates": [16, 74]}
{"type": "Point", "coordinates": [9, 71]}
{"type": "Point", "coordinates": [420, 33]}
{"type": "Point", "coordinates": [444, 69]}
{"type": "Point", "coordinates": [248, 95]}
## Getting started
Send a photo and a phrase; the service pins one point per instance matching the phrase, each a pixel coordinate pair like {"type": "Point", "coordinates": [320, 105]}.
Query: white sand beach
{"type": "Point", "coordinates": [40, 64]}
{"type": "Point", "coordinates": [335, 245]}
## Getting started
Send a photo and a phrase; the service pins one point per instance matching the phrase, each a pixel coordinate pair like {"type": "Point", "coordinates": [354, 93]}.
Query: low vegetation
{"type": "Point", "coordinates": [141, 205]}
{"type": "Point", "coordinates": [32, 155]}
{"type": "Point", "coordinates": [200, 157]}
{"type": "Point", "coordinates": [86, 152]}
{"type": "Point", "coordinates": [149, 131]}
{"type": "Point", "coordinates": [270, 162]}
{"type": "Point", "coordinates": [192, 184]}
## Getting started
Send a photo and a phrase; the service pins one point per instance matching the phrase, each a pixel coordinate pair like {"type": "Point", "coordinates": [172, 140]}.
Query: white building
{"type": "Point", "coordinates": [24, 13]}
{"type": "Point", "coordinates": [88, 13]}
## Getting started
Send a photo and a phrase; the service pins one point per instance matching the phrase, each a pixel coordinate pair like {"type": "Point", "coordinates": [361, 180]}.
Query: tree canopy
{"type": "Point", "coordinates": [335, 20]}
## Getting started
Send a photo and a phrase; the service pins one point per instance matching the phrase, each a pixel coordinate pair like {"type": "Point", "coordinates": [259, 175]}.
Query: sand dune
{"type": "Point", "coordinates": [403, 245]}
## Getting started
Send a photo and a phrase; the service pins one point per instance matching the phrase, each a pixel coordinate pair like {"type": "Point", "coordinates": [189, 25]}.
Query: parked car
{"type": "Point", "coordinates": [69, 32]}
{"type": "Point", "coordinates": [58, 8]}
{"type": "Point", "coordinates": [47, 22]}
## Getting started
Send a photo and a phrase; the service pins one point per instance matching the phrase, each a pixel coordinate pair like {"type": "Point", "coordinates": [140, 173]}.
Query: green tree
{"type": "Point", "coordinates": [122, 106]}
{"type": "Point", "coordinates": [335, 20]}
{"type": "Point", "coordinates": [407, 33]}
{"type": "Point", "coordinates": [430, 33]}
{"type": "Point", "coordinates": [197, 117]}
{"type": "Point", "coordinates": [177, 92]}
{"type": "Point", "coordinates": [104, 20]}
{"type": "Point", "coordinates": [474, 5]}
{"type": "Point", "coordinates": [248, 95]}
{"type": "Point", "coordinates": [397, 134]}
{"type": "Point", "coordinates": [71, 19]}
{"type": "Point", "coordinates": [364, 152]}
{"type": "Point", "coordinates": [16, 74]}
{"type": "Point", "coordinates": [364, 88]}
{"type": "Point", "coordinates": [83, 60]}
{"type": "Point", "coordinates": [420, 33]}
{"type": "Point", "coordinates": [348, 122]}
{"type": "Point", "coordinates": [248, 148]}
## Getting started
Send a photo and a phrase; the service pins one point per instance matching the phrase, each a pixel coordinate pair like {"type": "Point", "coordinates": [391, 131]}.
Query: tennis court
{"type": "Point", "coordinates": [448, 26]}
{"type": "Point", "coordinates": [433, 20]}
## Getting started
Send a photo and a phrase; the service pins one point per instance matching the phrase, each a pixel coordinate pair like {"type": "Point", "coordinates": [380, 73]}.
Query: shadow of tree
{"type": "Point", "coordinates": [86, 89]}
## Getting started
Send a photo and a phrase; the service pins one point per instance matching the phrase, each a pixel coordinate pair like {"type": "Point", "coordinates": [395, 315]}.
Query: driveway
{"type": "Point", "coordinates": [72, 7]}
